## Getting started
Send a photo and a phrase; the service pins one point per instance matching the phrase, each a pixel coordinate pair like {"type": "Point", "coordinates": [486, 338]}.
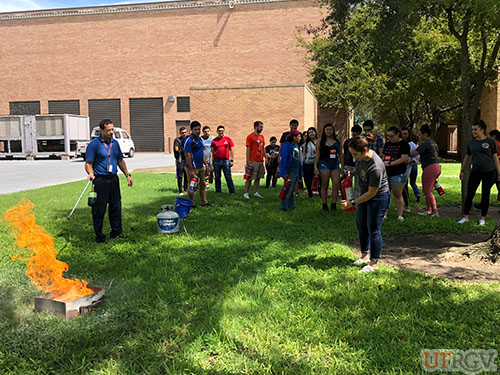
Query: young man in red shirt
{"type": "Point", "coordinates": [255, 159]}
{"type": "Point", "coordinates": [222, 158]}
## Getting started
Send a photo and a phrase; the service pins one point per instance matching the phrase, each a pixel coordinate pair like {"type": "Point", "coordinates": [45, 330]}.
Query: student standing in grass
{"type": "Point", "coordinates": [195, 160]}
{"type": "Point", "coordinates": [482, 151]}
{"type": "Point", "coordinates": [222, 159]}
{"type": "Point", "coordinates": [309, 153]}
{"type": "Point", "coordinates": [429, 158]}
{"type": "Point", "coordinates": [255, 159]}
{"type": "Point", "coordinates": [272, 161]}
{"type": "Point", "coordinates": [290, 168]}
{"type": "Point", "coordinates": [411, 170]}
{"type": "Point", "coordinates": [372, 204]}
{"type": "Point", "coordinates": [396, 152]}
{"type": "Point", "coordinates": [327, 165]}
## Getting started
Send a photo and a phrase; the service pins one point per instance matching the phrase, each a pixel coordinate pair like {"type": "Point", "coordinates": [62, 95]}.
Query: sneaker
{"type": "Point", "coordinates": [407, 209]}
{"type": "Point", "coordinates": [119, 237]}
{"type": "Point", "coordinates": [360, 261]}
{"type": "Point", "coordinates": [256, 194]}
{"type": "Point", "coordinates": [206, 204]}
{"type": "Point", "coordinates": [401, 218]}
{"type": "Point", "coordinates": [482, 222]}
{"type": "Point", "coordinates": [246, 196]}
{"type": "Point", "coordinates": [435, 214]}
{"type": "Point", "coordinates": [181, 193]}
{"type": "Point", "coordinates": [417, 199]}
{"type": "Point", "coordinates": [463, 220]}
{"type": "Point", "coordinates": [425, 213]}
{"type": "Point", "coordinates": [325, 207]}
{"type": "Point", "coordinates": [333, 206]}
{"type": "Point", "coordinates": [367, 268]}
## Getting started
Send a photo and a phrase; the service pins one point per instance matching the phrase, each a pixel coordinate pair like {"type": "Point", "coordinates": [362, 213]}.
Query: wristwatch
{"type": "Point", "coordinates": [352, 203]}
{"type": "Point", "coordinates": [128, 175]}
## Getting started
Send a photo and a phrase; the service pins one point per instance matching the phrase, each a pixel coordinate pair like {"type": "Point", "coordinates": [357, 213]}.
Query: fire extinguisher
{"type": "Point", "coordinates": [348, 192]}
{"type": "Point", "coordinates": [193, 186]}
{"type": "Point", "coordinates": [248, 172]}
{"type": "Point", "coordinates": [284, 189]}
{"type": "Point", "coordinates": [315, 183]}
{"type": "Point", "coordinates": [439, 188]}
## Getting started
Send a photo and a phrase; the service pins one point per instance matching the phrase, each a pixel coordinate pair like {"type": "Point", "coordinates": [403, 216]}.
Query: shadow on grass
{"type": "Point", "coordinates": [167, 301]}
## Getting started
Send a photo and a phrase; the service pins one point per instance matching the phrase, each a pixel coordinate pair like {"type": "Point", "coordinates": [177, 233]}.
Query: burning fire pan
{"type": "Point", "coordinates": [70, 309]}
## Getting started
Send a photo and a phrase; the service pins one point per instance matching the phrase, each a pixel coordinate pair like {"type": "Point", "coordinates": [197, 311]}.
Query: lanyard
{"type": "Point", "coordinates": [109, 150]}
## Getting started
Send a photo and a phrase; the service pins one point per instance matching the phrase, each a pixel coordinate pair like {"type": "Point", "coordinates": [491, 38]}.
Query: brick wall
{"type": "Point", "coordinates": [238, 108]}
{"type": "Point", "coordinates": [156, 54]}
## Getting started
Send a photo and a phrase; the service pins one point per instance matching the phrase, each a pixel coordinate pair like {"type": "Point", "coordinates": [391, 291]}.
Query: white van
{"type": "Point", "coordinates": [123, 138]}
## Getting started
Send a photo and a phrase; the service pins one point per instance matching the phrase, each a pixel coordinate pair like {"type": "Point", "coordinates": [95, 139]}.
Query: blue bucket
{"type": "Point", "coordinates": [182, 207]}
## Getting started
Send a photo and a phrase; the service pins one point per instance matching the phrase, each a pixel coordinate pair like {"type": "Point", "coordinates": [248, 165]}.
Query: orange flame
{"type": "Point", "coordinates": [42, 266]}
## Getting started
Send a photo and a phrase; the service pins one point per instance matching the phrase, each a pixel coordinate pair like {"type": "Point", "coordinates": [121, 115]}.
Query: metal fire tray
{"type": "Point", "coordinates": [70, 309]}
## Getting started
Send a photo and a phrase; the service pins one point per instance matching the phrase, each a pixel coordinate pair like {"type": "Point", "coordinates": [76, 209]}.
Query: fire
{"type": "Point", "coordinates": [42, 266]}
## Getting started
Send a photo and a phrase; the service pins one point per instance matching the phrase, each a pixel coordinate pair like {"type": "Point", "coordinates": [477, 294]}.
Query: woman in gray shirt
{"type": "Point", "coordinates": [485, 168]}
{"type": "Point", "coordinates": [372, 204]}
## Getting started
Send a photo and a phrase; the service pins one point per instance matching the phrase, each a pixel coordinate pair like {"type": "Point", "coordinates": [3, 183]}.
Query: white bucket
{"type": "Point", "coordinates": [168, 220]}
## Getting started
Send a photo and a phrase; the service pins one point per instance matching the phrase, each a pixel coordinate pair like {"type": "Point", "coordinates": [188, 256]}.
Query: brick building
{"type": "Point", "coordinates": [154, 67]}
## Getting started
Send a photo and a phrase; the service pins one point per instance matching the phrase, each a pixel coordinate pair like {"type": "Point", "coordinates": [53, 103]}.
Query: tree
{"type": "Point", "coordinates": [365, 55]}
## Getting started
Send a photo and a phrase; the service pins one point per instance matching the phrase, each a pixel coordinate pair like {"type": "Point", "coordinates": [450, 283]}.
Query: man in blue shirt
{"type": "Point", "coordinates": [104, 157]}
{"type": "Point", "coordinates": [195, 160]}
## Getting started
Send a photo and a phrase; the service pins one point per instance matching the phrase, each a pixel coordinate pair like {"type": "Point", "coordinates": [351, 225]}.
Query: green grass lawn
{"type": "Point", "coordinates": [259, 292]}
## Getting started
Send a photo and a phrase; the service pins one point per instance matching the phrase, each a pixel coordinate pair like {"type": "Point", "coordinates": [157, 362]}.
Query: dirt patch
{"type": "Point", "coordinates": [441, 255]}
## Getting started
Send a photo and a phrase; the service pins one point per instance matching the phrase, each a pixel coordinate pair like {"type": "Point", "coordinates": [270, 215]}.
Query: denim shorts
{"type": "Point", "coordinates": [399, 179]}
{"type": "Point", "coordinates": [328, 165]}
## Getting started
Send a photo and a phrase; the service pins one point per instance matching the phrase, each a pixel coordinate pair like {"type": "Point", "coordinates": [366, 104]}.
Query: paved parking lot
{"type": "Point", "coordinates": [19, 175]}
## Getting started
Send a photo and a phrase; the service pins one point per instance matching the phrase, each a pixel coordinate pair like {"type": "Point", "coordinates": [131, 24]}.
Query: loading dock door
{"type": "Point", "coordinates": [146, 124]}
{"type": "Point", "coordinates": [58, 107]}
{"type": "Point", "coordinates": [24, 108]}
{"type": "Point", "coordinates": [100, 109]}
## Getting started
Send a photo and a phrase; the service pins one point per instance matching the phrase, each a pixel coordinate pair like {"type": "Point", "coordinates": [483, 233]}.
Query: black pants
{"type": "Point", "coordinates": [181, 173]}
{"type": "Point", "coordinates": [108, 192]}
{"type": "Point", "coordinates": [271, 174]}
{"type": "Point", "coordinates": [308, 178]}
{"type": "Point", "coordinates": [487, 179]}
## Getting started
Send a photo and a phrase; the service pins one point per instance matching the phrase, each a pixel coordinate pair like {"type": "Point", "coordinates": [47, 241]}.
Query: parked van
{"type": "Point", "coordinates": [123, 138]}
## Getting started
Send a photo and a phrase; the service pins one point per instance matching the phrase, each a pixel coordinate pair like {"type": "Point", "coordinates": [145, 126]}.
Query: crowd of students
{"type": "Point", "coordinates": [378, 169]}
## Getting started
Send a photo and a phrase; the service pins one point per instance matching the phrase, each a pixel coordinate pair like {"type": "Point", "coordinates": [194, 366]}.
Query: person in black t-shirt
{"type": "Point", "coordinates": [485, 169]}
{"type": "Point", "coordinates": [180, 160]}
{"type": "Point", "coordinates": [272, 161]}
{"type": "Point", "coordinates": [396, 152]}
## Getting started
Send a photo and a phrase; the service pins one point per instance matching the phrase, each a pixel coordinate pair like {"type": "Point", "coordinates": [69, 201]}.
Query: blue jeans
{"type": "Point", "coordinates": [369, 218]}
{"type": "Point", "coordinates": [224, 165]}
{"type": "Point", "coordinates": [289, 201]}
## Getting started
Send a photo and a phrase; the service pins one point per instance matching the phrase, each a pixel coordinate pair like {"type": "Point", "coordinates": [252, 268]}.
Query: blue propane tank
{"type": "Point", "coordinates": [168, 220]}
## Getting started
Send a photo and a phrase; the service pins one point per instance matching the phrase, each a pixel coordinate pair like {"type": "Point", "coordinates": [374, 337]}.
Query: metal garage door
{"type": "Point", "coordinates": [100, 109]}
{"type": "Point", "coordinates": [146, 124]}
{"type": "Point", "coordinates": [24, 108]}
{"type": "Point", "coordinates": [71, 107]}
